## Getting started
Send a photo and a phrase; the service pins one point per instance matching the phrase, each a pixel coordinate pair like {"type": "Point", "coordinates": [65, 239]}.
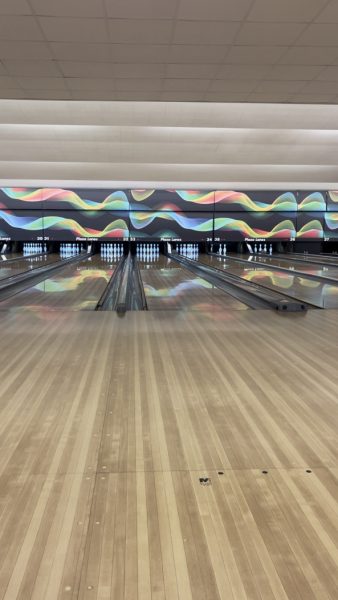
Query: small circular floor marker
{"type": "Point", "coordinates": [308, 471]}
{"type": "Point", "coordinates": [265, 472]}
{"type": "Point", "coordinates": [220, 472]}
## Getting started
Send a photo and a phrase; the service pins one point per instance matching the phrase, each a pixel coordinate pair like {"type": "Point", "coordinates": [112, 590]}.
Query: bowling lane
{"type": "Point", "coordinates": [168, 286]}
{"type": "Point", "coordinates": [320, 259]}
{"type": "Point", "coordinates": [292, 265]}
{"type": "Point", "coordinates": [8, 269]}
{"type": "Point", "coordinates": [77, 287]}
{"type": "Point", "coordinates": [323, 295]}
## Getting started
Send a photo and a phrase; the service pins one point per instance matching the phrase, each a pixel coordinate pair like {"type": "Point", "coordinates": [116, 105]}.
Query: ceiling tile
{"type": "Point", "coordinates": [139, 85]}
{"type": "Point", "coordinates": [319, 34]}
{"type": "Point", "coordinates": [287, 11]}
{"type": "Point", "coordinates": [243, 72]}
{"type": "Point", "coordinates": [138, 96]}
{"type": "Point", "coordinates": [192, 71]}
{"type": "Point", "coordinates": [305, 55]}
{"type": "Point", "coordinates": [198, 54]}
{"type": "Point", "coordinates": [86, 69]}
{"type": "Point", "coordinates": [263, 55]}
{"type": "Point", "coordinates": [214, 10]}
{"type": "Point", "coordinates": [204, 32]}
{"type": "Point", "coordinates": [186, 85]}
{"type": "Point", "coordinates": [286, 87]}
{"type": "Point", "coordinates": [329, 14]}
{"type": "Point", "coordinates": [226, 97]}
{"type": "Point", "coordinates": [321, 87]}
{"type": "Point", "coordinates": [182, 96]}
{"type": "Point", "coordinates": [8, 82]}
{"type": "Point", "coordinates": [33, 68]}
{"type": "Point", "coordinates": [269, 97]}
{"type": "Point", "coordinates": [93, 95]}
{"type": "Point", "coordinates": [142, 9]}
{"type": "Point", "coordinates": [24, 50]}
{"type": "Point", "coordinates": [139, 70]}
{"type": "Point", "coordinates": [313, 98]}
{"type": "Point", "coordinates": [274, 34]}
{"type": "Point", "coordinates": [140, 31]}
{"type": "Point", "coordinates": [293, 72]}
{"type": "Point", "coordinates": [47, 95]}
{"type": "Point", "coordinates": [328, 74]}
{"type": "Point", "coordinates": [232, 86]}
{"type": "Point", "coordinates": [20, 28]}
{"type": "Point", "coordinates": [42, 83]}
{"type": "Point", "coordinates": [81, 52]}
{"type": "Point", "coordinates": [68, 8]}
{"type": "Point", "coordinates": [58, 29]}
{"type": "Point", "coordinates": [12, 93]}
{"type": "Point", "coordinates": [14, 7]}
{"type": "Point", "coordinates": [132, 53]}
{"type": "Point", "coordinates": [86, 83]}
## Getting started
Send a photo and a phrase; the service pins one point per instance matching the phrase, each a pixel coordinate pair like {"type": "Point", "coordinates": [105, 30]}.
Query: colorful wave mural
{"type": "Point", "coordinates": [311, 230]}
{"type": "Point", "coordinates": [332, 200]}
{"type": "Point", "coordinates": [257, 202]}
{"type": "Point", "coordinates": [312, 202]}
{"type": "Point", "coordinates": [71, 199]}
{"type": "Point", "coordinates": [116, 229]}
{"type": "Point", "coordinates": [331, 225]}
{"type": "Point", "coordinates": [170, 225]}
{"type": "Point", "coordinates": [152, 214]}
{"type": "Point", "coordinates": [284, 230]}
{"type": "Point", "coordinates": [27, 222]}
{"type": "Point", "coordinates": [171, 200]}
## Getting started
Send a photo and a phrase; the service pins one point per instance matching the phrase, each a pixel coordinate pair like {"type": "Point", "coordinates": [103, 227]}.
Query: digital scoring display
{"type": "Point", "coordinates": [264, 201]}
{"type": "Point", "coordinates": [331, 226]}
{"type": "Point", "coordinates": [254, 226]}
{"type": "Point", "coordinates": [310, 226]}
{"type": "Point", "coordinates": [172, 200]}
{"type": "Point", "coordinates": [179, 226]}
{"type": "Point", "coordinates": [84, 199]}
{"type": "Point", "coordinates": [79, 225]}
{"type": "Point", "coordinates": [21, 225]}
{"type": "Point", "coordinates": [332, 201]}
{"type": "Point", "coordinates": [312, 201]}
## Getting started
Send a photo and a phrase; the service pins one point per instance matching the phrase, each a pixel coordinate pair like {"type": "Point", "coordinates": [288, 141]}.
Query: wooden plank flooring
{"type": "Point", "coordinates": [106, 425]}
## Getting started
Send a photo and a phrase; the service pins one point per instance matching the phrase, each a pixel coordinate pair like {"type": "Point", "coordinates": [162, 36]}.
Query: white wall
{"type": "Point", "coordinates": [160, 144]}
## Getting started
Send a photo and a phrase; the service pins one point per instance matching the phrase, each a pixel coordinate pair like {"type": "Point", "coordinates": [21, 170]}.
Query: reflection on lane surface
{"type": "Point", "coordinates": [306, 268]}
{"type": "Point", "coordinates": [26, 264]}
{"type": "Point", "coordinates": [78, 287]}
{"type": "Point", "coordinates": [324, 295]}
{"type": "Point", "coordinates": [321, 259]}
{"type": "Point", "coordinates": [170, 287]}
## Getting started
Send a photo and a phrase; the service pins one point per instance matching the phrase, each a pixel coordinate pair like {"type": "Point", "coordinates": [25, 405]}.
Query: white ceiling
{"type": "Point", "coordinates": [149, 144]}
{"type": "Point", "coordinates": [170, 50]}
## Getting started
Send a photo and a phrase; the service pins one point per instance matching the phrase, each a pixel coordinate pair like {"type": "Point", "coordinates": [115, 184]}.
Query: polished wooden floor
{"type": "Point", "coordinates": [107, 424]}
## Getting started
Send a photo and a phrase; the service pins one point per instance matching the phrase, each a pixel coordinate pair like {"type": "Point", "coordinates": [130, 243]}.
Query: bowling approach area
{"type": "Point", "coordinates": [168, 429]}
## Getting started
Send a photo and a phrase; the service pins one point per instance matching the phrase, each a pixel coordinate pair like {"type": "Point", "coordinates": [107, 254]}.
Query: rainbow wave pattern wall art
{"type": "Point", "coordinates": [152, 214]}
